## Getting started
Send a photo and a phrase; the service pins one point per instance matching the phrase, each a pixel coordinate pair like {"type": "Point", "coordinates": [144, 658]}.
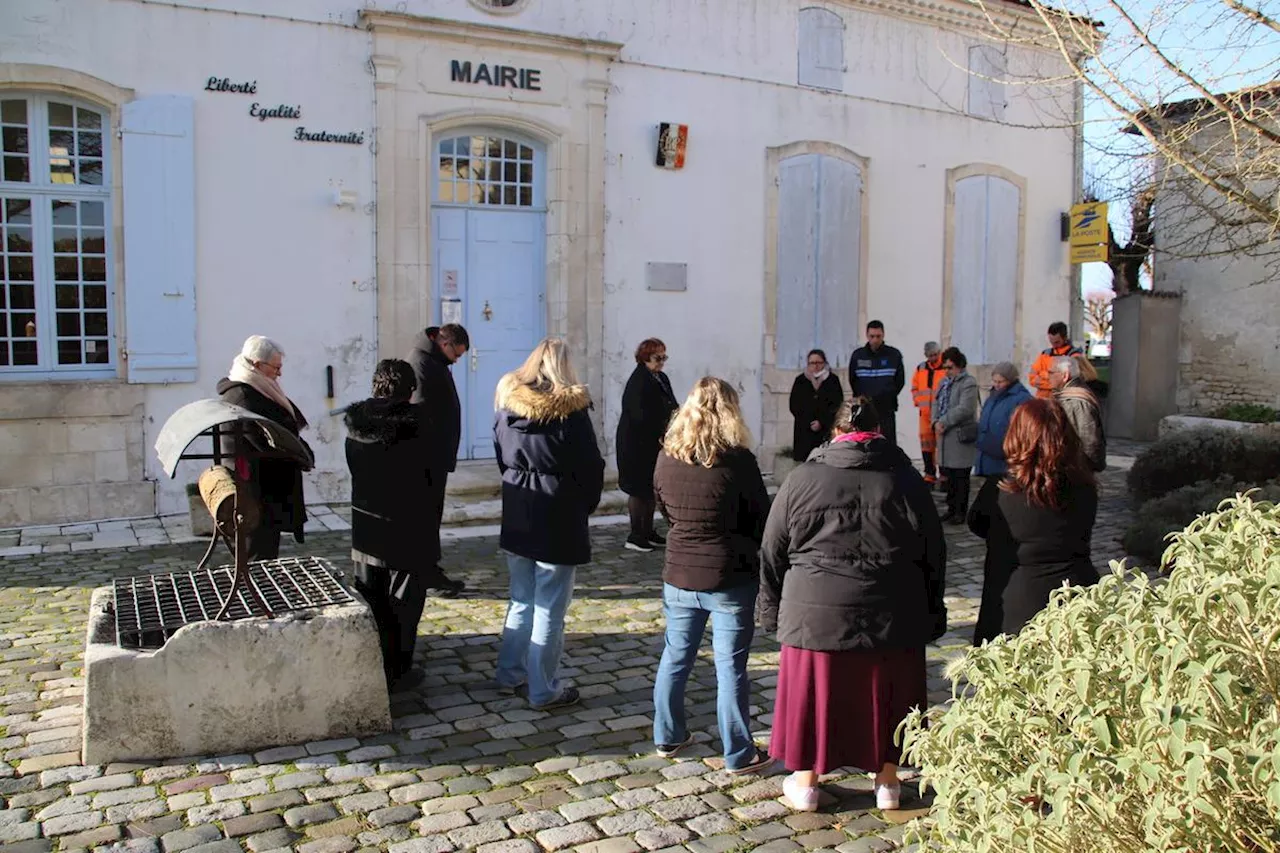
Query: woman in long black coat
{"type": "Point", "coordinates": [647, 406]}
{"type": "Point", "coordinates": [253, 383]}
{"type": "Point", "coordinates": [1040, 524]}
{"type": "Point", "coordinates": [816, 396]}
{"type": "Point", "coordinates": [392, 560]}
{"type": "Point", "coordinates": [986, 522]}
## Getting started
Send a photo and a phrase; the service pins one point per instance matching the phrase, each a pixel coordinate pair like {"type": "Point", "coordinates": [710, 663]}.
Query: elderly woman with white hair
{"type": "Point", "coordinates": [253, 383]}
{"type": "Point", "coordinates": [1084, 412]}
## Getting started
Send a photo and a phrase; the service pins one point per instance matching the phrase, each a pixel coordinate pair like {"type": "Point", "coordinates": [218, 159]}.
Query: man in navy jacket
{"type": "Point", "coordinates": [876, 371]}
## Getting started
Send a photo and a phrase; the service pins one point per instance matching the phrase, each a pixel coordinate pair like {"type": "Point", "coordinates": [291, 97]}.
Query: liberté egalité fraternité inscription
{"type": "Point", "coordinates": [262, 112]}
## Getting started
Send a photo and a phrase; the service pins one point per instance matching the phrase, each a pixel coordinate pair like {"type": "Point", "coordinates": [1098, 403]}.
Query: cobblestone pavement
{"type": "Point", "coordinates": [464, 767]}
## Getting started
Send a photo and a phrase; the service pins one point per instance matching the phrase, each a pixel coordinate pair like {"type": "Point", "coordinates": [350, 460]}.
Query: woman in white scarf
{"type": "Point", "coordinates": [259, 365]}
{"type": "Point", "coordinates": [816, 396]}
{"type": "Point", "coordinates": [253, 383]}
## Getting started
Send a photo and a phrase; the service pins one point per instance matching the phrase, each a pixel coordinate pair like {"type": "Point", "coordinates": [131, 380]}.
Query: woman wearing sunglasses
{"type": "Point", "coordinates": [647, 406]}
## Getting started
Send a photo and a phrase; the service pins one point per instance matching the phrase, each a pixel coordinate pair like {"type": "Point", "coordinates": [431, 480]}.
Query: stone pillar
{"type": "Point", "coordinates": [1144, 363]}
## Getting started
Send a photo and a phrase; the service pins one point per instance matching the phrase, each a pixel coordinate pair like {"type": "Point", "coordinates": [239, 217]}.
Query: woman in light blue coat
{"type": "Point", "coordinates": [1007, 393]}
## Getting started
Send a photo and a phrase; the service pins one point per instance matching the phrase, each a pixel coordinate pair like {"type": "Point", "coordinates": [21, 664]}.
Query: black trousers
{"type": "Point", "coordinates": [396, 599]}
{"type": "Point", "coordinates": [930, 470]}
{"type": "Point", "coordinates": [888, 420]}
{"type": "Point", "coordinates": [957, 492]}
{"type": "Point", "coordinates": [436, 483]}
{"type": "Point", "coordinates": [641, 512]}
{"type": "Point", "coordinates": [264, 544]}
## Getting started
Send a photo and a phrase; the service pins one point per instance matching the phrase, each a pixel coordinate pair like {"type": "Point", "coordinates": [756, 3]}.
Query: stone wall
{"type": "Point", "coordinates": [70, 451]}
{"type": "Point", "coordinates": [1228, 349]}
{"type": "Point", "coordinates": [1225, 369]}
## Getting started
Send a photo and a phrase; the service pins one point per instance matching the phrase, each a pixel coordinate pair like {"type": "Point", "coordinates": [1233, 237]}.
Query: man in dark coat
{"type": "Point", "coordinates": [876, 371]}
{"type": "Point", "coordinates": [436, 398]}
{"type": "Point", "coordinates": [387, 506]}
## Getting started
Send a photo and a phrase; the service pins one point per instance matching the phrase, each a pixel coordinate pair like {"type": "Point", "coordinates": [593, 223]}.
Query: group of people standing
{"type": "Point", "coordinates": [847, 564]}
{"type": "Point", "coordinates": [401, 447]}
{"type": "Point", "coordinates": [1037, 450]}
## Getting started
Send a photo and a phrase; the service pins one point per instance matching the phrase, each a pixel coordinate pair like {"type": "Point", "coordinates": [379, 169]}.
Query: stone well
{"type": "Point", "coordinates": [225, 687]}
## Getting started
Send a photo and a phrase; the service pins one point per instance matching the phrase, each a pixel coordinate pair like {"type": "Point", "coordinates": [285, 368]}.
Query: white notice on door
{"type": "Point", "coordinates": [450, 311]}
{"type": "Point", "coordinates": [450, 283]}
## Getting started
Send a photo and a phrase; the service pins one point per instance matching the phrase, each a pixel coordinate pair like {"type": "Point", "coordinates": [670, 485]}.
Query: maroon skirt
{"type": "Point", "coordinates": [840, 709]}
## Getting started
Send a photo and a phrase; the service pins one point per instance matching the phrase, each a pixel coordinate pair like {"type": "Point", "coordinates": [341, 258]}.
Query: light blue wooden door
{"type": "Point", "coordinates": [503, 308]}
{"type": "Point", "coordinates": [489, 247]}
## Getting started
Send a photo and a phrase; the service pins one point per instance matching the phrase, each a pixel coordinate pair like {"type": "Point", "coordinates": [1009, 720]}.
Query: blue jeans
{"type": "Point", "coordinates": [732, 613]}
{"type": "Point", "coordinates": [534, 633]}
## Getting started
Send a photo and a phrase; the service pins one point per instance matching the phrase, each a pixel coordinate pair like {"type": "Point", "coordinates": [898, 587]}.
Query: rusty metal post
{"type": "Point", "coordinates": [241, 580]}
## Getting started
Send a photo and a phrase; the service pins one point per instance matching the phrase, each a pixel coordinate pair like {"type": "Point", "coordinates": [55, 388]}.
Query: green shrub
{"type": "Point", "coordinates": [1249, 413]}
{"type": "Point", "coordinates": [1203, 454]}
{"type": "Point", "coordinates": [1148, 533]}
{"type": "Point", "coordinates": [1135, 715]}
{"type": "Point", "coordinates": [193, 490]}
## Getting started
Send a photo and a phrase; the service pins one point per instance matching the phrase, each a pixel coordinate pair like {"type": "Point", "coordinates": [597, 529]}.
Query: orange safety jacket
{"type": "Point", "coordinates": [1038, 378]}
{"type": "Point", "coordinates": [924, 382]}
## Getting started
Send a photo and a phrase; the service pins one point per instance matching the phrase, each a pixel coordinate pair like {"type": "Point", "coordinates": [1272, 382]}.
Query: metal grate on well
{"type": "Point", "coordinates": [151, 608]}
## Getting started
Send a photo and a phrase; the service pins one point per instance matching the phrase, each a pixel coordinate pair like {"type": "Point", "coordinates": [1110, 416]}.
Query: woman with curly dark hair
{"type": "Point", "coordinates": [1044, 513]}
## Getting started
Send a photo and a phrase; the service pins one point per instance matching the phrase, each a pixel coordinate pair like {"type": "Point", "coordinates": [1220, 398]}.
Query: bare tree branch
{"type": "Point", "coordinates": [1195, 85]}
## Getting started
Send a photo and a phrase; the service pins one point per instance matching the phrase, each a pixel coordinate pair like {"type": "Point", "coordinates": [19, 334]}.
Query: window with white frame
{"type": "Point", "coordinates": [488, 171]}
{"type": "Point", "coordinates": [55, 292]}
{"type": "Point", "coordinates": [821, 49]}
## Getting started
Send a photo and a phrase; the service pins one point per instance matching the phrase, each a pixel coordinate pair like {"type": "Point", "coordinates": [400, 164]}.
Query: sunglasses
{"type": "Point", "coordinates": [660, 358]}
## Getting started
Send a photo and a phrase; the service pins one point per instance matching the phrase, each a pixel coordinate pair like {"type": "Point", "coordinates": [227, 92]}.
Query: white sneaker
{"type": "Point", "coordinates": [887, 797]}
{"type": "Point", "coordinates": [798, 797]}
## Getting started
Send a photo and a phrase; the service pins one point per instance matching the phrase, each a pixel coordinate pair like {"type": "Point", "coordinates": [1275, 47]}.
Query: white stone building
{"type": "Point", "coordinates": [178, 175]}
{"type": "Point", "coordinates": [1226, 274]}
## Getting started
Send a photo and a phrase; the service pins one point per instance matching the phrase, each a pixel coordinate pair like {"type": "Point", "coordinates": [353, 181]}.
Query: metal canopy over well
{"type": "Point", "coordinates": [215, 418]}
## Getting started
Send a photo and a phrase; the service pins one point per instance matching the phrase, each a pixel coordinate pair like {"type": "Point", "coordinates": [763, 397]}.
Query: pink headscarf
{"type": "Point", "coordinates": [858, 436]}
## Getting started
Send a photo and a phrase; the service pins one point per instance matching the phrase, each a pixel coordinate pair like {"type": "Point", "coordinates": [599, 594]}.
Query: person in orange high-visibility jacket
{"type": "Point", "coordinates": [928, 376]}
{"type": "Point", "coordinates": [1059, 345]}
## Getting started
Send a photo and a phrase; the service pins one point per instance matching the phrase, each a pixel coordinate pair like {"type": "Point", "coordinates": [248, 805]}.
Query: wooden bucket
{"type": "Point", "coordinates": [219, 491]}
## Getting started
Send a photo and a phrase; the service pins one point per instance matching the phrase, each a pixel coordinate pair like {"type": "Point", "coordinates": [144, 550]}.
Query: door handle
{"type": "Point", "coordinates": [475, 360]}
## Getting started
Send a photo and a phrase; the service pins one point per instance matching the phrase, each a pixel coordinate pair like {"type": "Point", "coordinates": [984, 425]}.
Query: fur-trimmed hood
{"type": "Point", "coordinates": [379, 420]}
{"type": "Point", "coordinates": [532, 404]}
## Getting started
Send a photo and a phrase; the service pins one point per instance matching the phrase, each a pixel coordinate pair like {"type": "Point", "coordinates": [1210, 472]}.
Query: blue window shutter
{"type": "Point", "coordinates": [797, 259]}
{"type": "Point", "coordinates": [821, 49]}
{"type": "Point", "coordinates": [158, 151]}
{"type": "Point", "coordinates": [1004, 203]}
{"type": "Point", "coordinates": [987, 71]}
{"type": "Point", "coordinates": [984, 268]}
{"type": "Point", "coordinates": [969, 267]}
{"type": "Point", "coordinates": [839, 258]}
